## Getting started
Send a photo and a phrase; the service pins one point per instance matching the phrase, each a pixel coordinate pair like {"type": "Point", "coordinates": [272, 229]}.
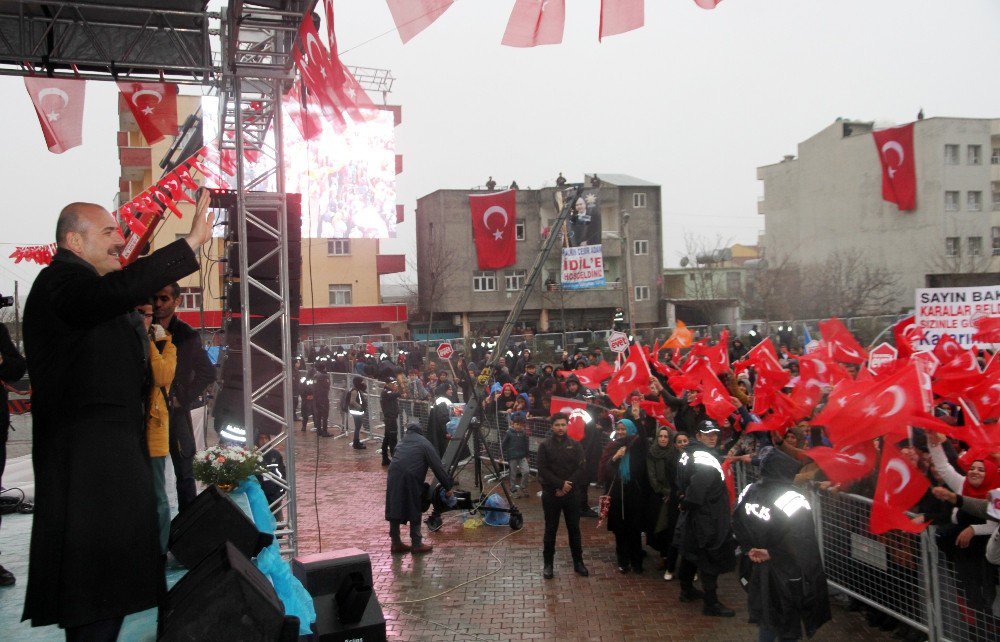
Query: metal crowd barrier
{"type": "Point", "coordinates": [904, 575]}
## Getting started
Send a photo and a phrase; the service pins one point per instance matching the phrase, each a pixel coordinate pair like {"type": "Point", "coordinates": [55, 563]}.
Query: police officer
{"type": "Point", "coordinates": [390, 416]}
{"type": "Point", "coordinates": [321, 398]}
{"type": "Point", "coordinates": [781, 567]}
{"type": "Point", "coordinates": [706, 539]}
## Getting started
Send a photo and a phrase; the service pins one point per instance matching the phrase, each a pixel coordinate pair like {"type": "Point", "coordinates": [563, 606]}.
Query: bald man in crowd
{"type": "Point", "coordinates": [95, 554]}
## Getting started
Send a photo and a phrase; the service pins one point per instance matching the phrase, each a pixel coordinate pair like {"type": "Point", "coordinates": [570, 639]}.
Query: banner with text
{"type": "Point", "coordinates": [954, 311]}
{"type": "Point", "coordinates": [582, 267]}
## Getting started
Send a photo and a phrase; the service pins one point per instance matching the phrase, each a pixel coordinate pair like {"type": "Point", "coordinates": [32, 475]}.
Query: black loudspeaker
{"type": "Point", "coordinates": [340, 583]}
{"type": "Point", "coordinates": [211, 520]}
{"type": "Point", "coordinates": [224, 597]}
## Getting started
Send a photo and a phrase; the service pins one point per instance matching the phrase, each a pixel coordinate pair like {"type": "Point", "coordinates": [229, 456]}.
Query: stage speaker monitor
{"type": "Point", "coordinates": [340, 583]}
{"type": "Point", "coordinates": [211, 520]}
{"type": "Point", "coordinates": [225, 598]}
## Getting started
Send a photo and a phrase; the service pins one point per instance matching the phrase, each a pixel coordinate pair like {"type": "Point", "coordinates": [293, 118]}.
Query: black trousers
{"type": "Point", "coordinates": [322, 417]}
{"type": "Point", "coordinates": [391, 437]}
{"type": "Point", "coordinates": [182, 447]}
{"type": "Point", "coordinates": [628, 546]}
{"type": "Point", "coordinates": [554, 507]}
{"type": "Point", "coordinates": [709, 581]}
{"type": "Point", "coordinates": [100, 631]}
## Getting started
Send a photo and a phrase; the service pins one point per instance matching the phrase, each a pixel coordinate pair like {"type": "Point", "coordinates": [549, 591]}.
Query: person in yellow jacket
{"type": "Point", "coordinates": [162, 363]}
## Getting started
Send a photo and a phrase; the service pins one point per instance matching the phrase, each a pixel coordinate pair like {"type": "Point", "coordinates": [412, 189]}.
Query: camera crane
{"type": "Point", "coordinates": [470, 425]}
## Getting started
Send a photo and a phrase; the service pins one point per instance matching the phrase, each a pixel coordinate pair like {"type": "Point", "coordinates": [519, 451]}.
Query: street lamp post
{"type": "Point", "coordinates": [629, 298]}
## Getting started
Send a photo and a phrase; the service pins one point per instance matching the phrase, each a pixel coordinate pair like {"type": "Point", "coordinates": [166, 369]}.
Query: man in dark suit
{"type": "Point", "coordinates": [11, 370]}
{"type": "Point", "coordinates": [194, 373]}
{"type": "Point", "coordinates": [95, 554]}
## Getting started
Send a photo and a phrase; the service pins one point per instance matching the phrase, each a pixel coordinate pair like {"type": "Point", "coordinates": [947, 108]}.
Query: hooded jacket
{"type": "Point", "coordinates": [790, 589]}
{"type": "Point", "coordinates": [707, 537]}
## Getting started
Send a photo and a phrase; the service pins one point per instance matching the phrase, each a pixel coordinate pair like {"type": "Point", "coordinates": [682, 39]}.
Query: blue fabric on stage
{"type": "Point", "coordinates": [293, 595]}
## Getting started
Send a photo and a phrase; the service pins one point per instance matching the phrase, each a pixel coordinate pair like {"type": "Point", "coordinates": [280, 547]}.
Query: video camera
{"type": "Point", "coordinates": [6, 301]}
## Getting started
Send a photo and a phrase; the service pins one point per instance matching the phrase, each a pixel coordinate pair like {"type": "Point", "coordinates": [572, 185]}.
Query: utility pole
{"type": "Point", "coordinates": [627, 255]}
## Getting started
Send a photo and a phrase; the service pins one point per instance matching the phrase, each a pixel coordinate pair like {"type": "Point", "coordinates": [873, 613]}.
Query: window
{"type": "Point", "coordinates": [996, 201]}
{"type": "Point", "coordinates": [995, 156]}
{"type": "Point", "coordinates": [733, 283]}
{"type": "Point", "coordinates": [974, 154]}
{"type": "Point", "coordinates": [951, 154]}
{"type": "Point", "coordinates": [951, 246]}
{"type": "Point", "coordinates": [519, 229]}
{"type": "Point", "coordinates": [484, 281]}
{"type": "Point", "coordinates": [640, 248]}
{"type": "Point", "coordinates": [341, 294]}
{"type": "Point", "coordinates": [974, 201]}
{"type": "Point", "coordinates": [190, 299]}
{"type": "Point", "coordinates": [951, 201]}
{"type": "Point", "coordinates": [642, 293]}
{"type": "Point", "coordinates": [995, 232]}
{"type": "Point", "coordinates": [514, 279]}
{"type": "Point", "coordinates": [338, 247]}
{"type": "Point", "coordinates": [639, 199]}
{"type": "Point", "coordinates": [975, 246]}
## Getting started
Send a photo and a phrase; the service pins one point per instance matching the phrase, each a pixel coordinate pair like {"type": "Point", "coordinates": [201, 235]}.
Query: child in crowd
{"type": "Point", "coordinates": [515, 450]}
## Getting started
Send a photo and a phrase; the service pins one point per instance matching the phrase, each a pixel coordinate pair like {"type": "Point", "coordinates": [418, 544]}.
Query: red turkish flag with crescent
{"type": "Point", "coordinates": [633, 374]}
{"type": "Point", "coordinates": [842, 465]}
{"type": "Point", "coordinates": [562, 404]}
{"type": "Point", "coordinates": [987, 330]}
{"type": "Point", "coordinates": [535, 22]}
{"type": "Point", "coordinates": [900, 486]}
{"type": "Point", "coordinates": [619, 16]}
{"type": "Point", "coordinates": [591, 376]}
{"type": "Point", "coordinates": [841, 343]}
{"type": "Point", "coordinates": [899, 174]}
{"type": "Point", "coordinates": [154, 105]}
{"type": "Point", "coordinates": [59, 106]}
{"type": "Point", "coordinates": [907, 333]}
{"type": "Point", "coordinates": [860, 411]}
{"type": "Point", "coordinates": [413, 16]}
{"type": "Point", "coordinates": [493, 219]}
{"type": "Point", "coordinates": [947, 348]}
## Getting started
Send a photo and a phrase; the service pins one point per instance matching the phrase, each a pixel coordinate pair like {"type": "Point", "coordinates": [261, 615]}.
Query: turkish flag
{"type": "Point", "coordinates": [681, 337]}
{"type": "Point", "coordinates": [535, 22]}
{"type": "Point", "coordinates": [59, 106]}
{"type": "Point", "coordinates": [842, 465]}
{"type": "Point", "coordinates": [840, 343]}
{"type": "Point", "coordinates": [370, 348]}
{"type": "Point", "coordinates": [413, 16]}
{"type": "Point", "coordinates": [657, 410]}
{"type": "Point", "coordinates": [985, 395]}
{"type": "Point", "coordinates": [955, 378]}
{"type": "Point", "coordinates": [988, 330]}
{"type": "Point", "coordinates": [154, 105]}
{"type": "Point", "coordinates": [707, 4]}
{"type": "Point", "coordinates": [592, 376]}
{"type": "Point", "coordinates": [493, 219]}
{"type": "Point", "coordinates": [947, 348]}
{"type": "Point", "coordinates": [717, 356]}
{"type": "Point", "coordinates": [318, 72]}
{"type": "Point", "coordinates": [633, 374]}
{"type": "Point", "coordinates": [715, 398]}
{"type": "Point", "coordinates": [619, 16]}
{"type": "Point", "coordinates": [899, 487]}
{"type": "Point", "coordinates": [899, 174]}
{"type": "Point", "coordinates": [297, 107]}
{"type": "Point", "coordinates": [564, 405]}
{"type": "Point", "coordinates": [860, 411]}
{"type": "Point", "coordinates": [907, 333]}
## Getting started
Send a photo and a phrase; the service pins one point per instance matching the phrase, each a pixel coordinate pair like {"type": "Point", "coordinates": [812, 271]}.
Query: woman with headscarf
{"type": "Point", "coordinates": [964, 540]}
{"type": "Point", "coordinates": [623, 472]}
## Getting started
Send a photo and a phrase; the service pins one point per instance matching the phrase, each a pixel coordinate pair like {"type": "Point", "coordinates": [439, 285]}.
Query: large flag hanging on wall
{"type": "Point", "coordinates": [59, 107]}
{"type": "Point", "coordinates": [494, 217]}
{"type": "Point", "coordinates": [899, 174]}
{"type": "Point", "coordinates": [154, 105]}
{"type": "Point", "coordinates": [535, 22]}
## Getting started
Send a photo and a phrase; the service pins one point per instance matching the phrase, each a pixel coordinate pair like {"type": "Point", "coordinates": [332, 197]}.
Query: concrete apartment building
{"type": "Point", "coordinates": [828, 198]}
{"type": "Point", "coordinates": [340, 277]}
{"type": "Point", "coordinates": [466, 301]}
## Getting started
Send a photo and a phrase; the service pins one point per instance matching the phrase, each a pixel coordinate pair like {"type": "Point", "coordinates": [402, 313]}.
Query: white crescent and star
{"type": "Point", "coordinates": [898, 400]}
{"type": "Point", "coordinates": [628, 367]}
{"type": "Point", "coordinates": [54, 91]}
{"type": "Point", "coordinates": [900, 467]}
{"type": "Point", "coordinates": [495, 209]}
{"type": "Point", "coordinates": [895, 147]}
{"type": "Point", "coordinates": [148, 109]}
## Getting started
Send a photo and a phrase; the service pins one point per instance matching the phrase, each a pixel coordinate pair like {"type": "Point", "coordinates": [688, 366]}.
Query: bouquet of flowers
{"type": "Point", "coordinates": [226, 465]}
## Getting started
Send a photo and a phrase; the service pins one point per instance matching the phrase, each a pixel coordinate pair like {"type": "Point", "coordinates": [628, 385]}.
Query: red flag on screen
{"type": "Point", "coordinates": [535, 22]}
{"type": "Point", "coordinates": [619, 16]}
{"type": "Point", "coordinates": [154, 105]}
{"type": "Point", "coordinates": [413, 16]}
{"type": "Point", "coordinates": [899, 174]}
{"type": "Point", "coordinates": [59, 106]}
{"type": "Point", "coordinates": [493, 220]}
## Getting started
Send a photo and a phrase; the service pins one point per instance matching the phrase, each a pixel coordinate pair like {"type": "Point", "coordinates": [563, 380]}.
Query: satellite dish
{"type": "Point", "coordinates": [684, 261]}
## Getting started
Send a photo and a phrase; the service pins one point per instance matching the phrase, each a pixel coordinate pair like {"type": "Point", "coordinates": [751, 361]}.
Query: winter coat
{"type": "Point", "coordinates": [628, 499]}
{"type": "Point", "coordinates": [514, 444]}
{"type": "Point", "coordinates": [162, 362]}
{"type": "Point", "coordinates": [95, 550]}
{"type": "Point", "coordinates": [404, 490]}
{"type": "Point", "coordinates": [790, 589]}
{"type": "Point", "coordinates": [661, 468]}
{"type": "Point", "coordinates": [11, 370]}
{"type": "Point", "coordinates": [704, 525]}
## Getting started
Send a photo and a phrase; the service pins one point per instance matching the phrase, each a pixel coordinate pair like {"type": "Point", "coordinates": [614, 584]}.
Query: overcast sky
{"type": "Point", "coordinates": [695, 101]}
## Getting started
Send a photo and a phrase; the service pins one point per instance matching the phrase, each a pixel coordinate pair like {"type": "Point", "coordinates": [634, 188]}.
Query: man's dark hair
{"type": "Point", "coordinates": [557, 416]}
{"type": "Point", "coordinates": [175, 289]}
{"type": "Point", "coordinates": [70, 221]}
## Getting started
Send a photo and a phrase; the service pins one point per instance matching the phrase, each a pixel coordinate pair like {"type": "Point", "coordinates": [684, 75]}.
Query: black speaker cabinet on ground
{"type": "Point", "coordinates": [224, 598]}
{"type": "Point", "coordinates": [212, 519]}
{"type": "Point", "coordinates": [340, 583]}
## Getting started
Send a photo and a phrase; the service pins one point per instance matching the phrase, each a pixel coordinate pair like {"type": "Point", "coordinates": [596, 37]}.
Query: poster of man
{"type": "Point", "coordinates": [584, 226]}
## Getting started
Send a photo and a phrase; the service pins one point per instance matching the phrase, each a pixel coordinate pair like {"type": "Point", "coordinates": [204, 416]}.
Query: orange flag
{"type": "Point", "coordinates": [681, 337]}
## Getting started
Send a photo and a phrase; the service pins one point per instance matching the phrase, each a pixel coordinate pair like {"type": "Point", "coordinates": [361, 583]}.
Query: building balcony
{"type": "Point", "coordinates": [135, 161]}
{"type": "Point", "coordinates": [761, 205]}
